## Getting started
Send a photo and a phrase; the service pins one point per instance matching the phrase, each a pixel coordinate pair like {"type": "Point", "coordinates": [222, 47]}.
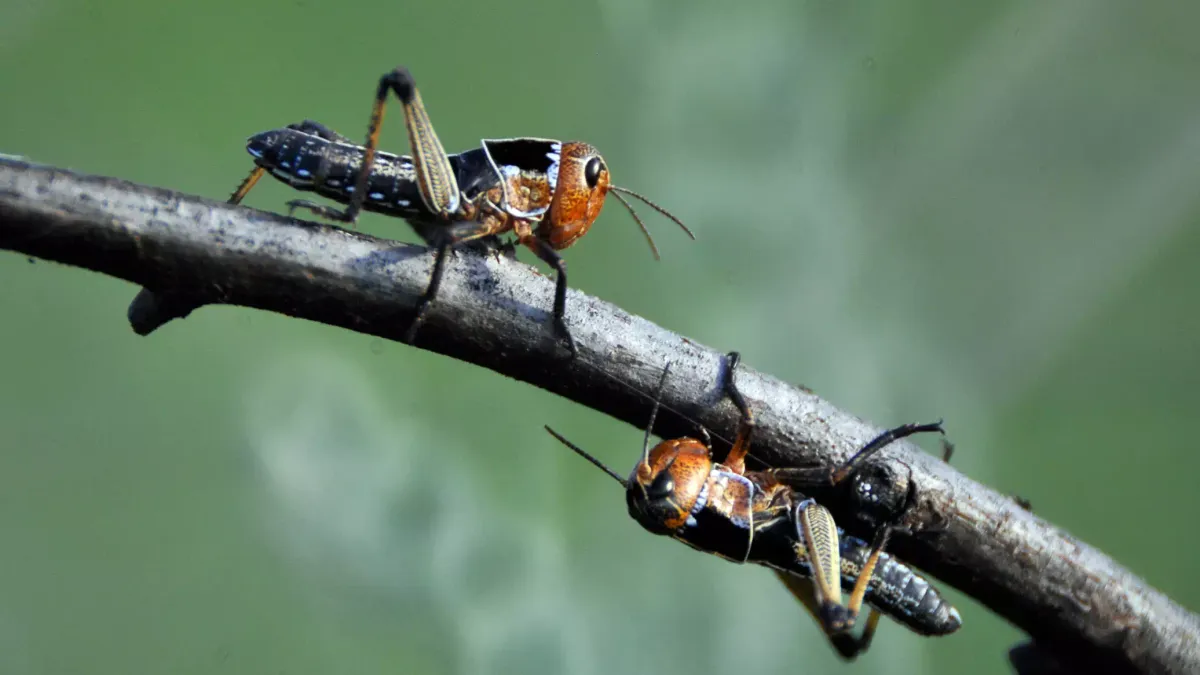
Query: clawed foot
{"type": "Point", "coordinates": [564, 336]}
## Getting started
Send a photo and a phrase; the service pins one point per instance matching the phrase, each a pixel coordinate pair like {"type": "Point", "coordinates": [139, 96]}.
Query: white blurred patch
{"type": "Point", "coordinates": [363, 495]}
{"type": "Point", "coordinates": [331, 462]}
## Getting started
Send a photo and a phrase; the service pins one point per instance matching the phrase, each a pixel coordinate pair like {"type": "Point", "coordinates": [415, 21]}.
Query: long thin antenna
{"type": "Point", "coordinates": [578, 450]}
{"type": "Point", "coordinates": [662, 385]}
{"type": "Point", "coordinates": [649, 239]}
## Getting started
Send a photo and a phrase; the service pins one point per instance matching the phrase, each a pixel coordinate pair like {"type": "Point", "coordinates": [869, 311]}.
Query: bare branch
{"type": "Point", "coordinates": [494, 312]}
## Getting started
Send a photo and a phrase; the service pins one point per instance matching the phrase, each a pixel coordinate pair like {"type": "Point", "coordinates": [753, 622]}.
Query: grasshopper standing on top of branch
{"type": "Point", "coordinates": [547, 192]}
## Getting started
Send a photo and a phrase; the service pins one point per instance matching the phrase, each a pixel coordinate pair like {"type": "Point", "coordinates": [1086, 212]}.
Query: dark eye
{"type": "Point", "coordinates": [591, 172]}
{"type": "Point", "coordinates": [662, 486]}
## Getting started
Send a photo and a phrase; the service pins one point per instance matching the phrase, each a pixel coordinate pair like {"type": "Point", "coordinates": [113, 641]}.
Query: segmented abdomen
{"type": "Point", "coordinates": [330, 168]}
{"type": "Point", "coordinates": [898, 591]}
{"type": "Point", "coordinates": [894, 589]}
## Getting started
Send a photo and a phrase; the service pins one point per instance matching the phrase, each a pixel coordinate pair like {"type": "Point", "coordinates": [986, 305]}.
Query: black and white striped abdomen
{"type": "Point", "coordinates": [330, 168]}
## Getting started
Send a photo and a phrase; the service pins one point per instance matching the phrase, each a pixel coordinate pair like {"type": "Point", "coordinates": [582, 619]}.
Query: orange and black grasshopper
{"type": "Point", "coordinates": [761, 517]}
{"type": "Point", "coordinates": [547, 192]}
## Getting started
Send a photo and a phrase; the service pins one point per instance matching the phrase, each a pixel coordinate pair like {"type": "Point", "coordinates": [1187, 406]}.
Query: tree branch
{"type": "Point", "coordinates": [1077, 604]}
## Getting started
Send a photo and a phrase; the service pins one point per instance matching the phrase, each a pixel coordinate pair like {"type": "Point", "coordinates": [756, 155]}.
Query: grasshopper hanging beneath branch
{"type": "Point", "coordinates": [761, 517]}
{"type": "Point", "coordinates": [547, 192]}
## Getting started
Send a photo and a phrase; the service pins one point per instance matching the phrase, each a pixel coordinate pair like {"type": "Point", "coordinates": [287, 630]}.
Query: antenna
{"type": "Point", "coordinates": [653, 249]}
{"type": "Point", "coordinates": [662, 385]}
{"type": "Point", "coordinates": [580, 451]}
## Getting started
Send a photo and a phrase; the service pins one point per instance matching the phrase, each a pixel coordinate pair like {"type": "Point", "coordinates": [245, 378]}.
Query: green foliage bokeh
{"type": "Point", "coordinates": [985, 212]}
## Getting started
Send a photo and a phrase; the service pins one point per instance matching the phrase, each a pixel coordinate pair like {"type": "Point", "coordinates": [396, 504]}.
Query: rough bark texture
{"type": "Point", "coordinates": [1078, 605]}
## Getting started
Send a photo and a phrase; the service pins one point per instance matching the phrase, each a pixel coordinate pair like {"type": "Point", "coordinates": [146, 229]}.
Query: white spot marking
{"type": "Point", "coordinates": [552, 173]}
{"type": "Point", "coordinates": [701, 501]}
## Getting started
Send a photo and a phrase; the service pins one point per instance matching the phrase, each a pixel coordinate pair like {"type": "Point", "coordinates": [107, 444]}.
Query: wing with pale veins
{"type": "Point", "coordinates": [821, 538]}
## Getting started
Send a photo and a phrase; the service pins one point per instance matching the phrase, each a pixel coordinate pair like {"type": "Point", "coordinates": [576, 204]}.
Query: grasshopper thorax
{"type": "Point", "coordinates": [666, 485]}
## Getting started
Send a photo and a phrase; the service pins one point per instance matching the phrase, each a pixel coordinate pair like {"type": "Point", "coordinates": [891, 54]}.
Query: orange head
{"type": "Point", "coordinates": [667, 481]}
{"type": "Point", "coordinates": [580, 187]}
{"type": "Point", "coordinates": [666, 484]}
{"type": "Point", "coordinates": [579, 194]}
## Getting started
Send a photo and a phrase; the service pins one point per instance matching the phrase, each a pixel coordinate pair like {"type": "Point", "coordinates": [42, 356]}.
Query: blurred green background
{"type": "Point", "coordinates": [980, 211]}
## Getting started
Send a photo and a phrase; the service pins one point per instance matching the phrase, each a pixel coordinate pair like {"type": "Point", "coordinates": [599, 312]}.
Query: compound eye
{"type": "Point", "coordinates": [591, 172]}
{"type": "Point", "coordinates": [661, 487]}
